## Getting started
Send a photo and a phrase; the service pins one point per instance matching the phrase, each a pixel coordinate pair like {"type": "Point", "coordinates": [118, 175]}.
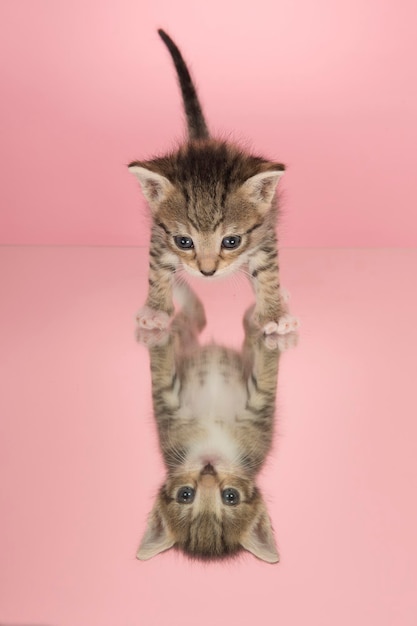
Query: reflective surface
{"type": "Point", "coordinates": [80, 461]}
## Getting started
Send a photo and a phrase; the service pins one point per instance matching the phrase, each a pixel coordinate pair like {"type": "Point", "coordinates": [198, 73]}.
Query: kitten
{"type": "Point", "coordinates": [214, 211]}
{"type": "Point", "coordinates": [214, 410]}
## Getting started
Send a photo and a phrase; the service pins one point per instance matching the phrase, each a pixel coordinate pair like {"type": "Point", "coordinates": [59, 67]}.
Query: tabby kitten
{"type": "Point", "coordinates": [214, 212]}
{"type": "Point", "coordinates": [214, 409]}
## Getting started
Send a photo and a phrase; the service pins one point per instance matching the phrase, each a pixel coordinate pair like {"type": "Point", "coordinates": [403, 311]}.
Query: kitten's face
{"type": "Point", "coordinates": [217, 249]}
{"type": "Point", "coordinates": [225, 501]}
{"type": "Point", "coordinates": [209, 202]}
{"type": "Point", "coordinates": [209, 514]}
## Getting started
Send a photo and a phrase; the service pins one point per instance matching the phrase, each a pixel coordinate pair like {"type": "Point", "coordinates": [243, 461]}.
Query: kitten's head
{"type": "Point", "coordinates": [209, 514]}
{"type": "Point", "coordinates": [209, 201]}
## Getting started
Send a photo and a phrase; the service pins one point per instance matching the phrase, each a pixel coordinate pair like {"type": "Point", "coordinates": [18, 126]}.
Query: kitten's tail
{"type": "Point", "coordinates": [197, 127]}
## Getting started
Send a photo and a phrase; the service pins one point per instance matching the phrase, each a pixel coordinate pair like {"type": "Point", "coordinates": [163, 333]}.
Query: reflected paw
{"type": "Point", "coordinates": [281, 342]}
{"type": "Point", "coordinates": [286, 324]}
{"type": "Point", "coordinates": [151, 319]}
{"type": "Point", "coordinates": [152, 338]}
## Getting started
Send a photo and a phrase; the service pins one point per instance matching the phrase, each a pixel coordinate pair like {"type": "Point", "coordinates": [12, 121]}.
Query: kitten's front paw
{"type": "Point", "coordinates": [151, 319]}
{"type": "Point", "coordinates": [286, 324]}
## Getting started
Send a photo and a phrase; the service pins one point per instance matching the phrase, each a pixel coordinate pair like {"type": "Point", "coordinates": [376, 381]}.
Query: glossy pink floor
{"type": "Point", "coordinates": [79, 458]}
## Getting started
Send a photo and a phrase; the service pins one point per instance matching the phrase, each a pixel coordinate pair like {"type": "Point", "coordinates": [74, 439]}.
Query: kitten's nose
{"type": "Point", "coordinates": [208, 273]}
{"type": "Point", "coordinates": [208, 469]}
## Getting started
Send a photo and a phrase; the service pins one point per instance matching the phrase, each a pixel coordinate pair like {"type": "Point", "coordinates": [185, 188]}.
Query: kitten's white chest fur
{"type": "Point", "coordinates": [214, 397]}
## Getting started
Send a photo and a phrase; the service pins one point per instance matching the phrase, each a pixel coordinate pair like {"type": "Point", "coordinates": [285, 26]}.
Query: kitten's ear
{"type": "Point", "coordinates": [156, 539]}
{"type": "Point", "coordinates": [155, 187]}
{"type": "Point", "coordinates": [260, 189]}
{"type": "Point", "coordinates": [259, 540]}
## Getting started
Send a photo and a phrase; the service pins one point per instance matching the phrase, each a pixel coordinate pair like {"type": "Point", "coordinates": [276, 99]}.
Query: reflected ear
{"type": "Point", "coordinates": [155, 187]}
{"type": "Point", "coordinates": [259, 540]}
{"type": "Point", "coordinates": [260, 189]}
{"type": "Point", "coordinates": [157, 538]}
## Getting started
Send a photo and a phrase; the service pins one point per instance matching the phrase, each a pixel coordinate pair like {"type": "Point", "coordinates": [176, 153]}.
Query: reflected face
{"type": "Point", "coordinates": [209, 511]}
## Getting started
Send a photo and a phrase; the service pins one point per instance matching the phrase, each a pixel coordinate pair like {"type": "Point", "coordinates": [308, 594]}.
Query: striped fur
{"type": "Point", "coordinates": [214, 407]}
{"type": "Point", "coordinates": [208, 190]}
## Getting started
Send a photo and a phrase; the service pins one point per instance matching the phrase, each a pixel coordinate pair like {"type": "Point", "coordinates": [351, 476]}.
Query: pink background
{"type": "Point", "coordinates": [330, 89]}
{"type": "Point", "coordinates": [327, 87]}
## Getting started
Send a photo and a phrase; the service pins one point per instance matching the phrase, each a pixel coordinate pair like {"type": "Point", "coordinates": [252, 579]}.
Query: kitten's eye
{"type": "Point", "coordinates": [230, 496]}
{"type": "Point", "coordinates": [232, 241]}
{"type": "Point", "coordinates": [185, 495]}
{"type": "Point", "coordinates": [185, 243]}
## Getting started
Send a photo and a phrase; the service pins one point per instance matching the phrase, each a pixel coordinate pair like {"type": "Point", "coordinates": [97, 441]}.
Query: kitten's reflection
{"type": "Point", "coordinates": [214, 408]}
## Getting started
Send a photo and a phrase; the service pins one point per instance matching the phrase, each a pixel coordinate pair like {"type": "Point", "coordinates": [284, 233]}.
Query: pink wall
{"type": "Point", "coordinates": [327, 87]}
